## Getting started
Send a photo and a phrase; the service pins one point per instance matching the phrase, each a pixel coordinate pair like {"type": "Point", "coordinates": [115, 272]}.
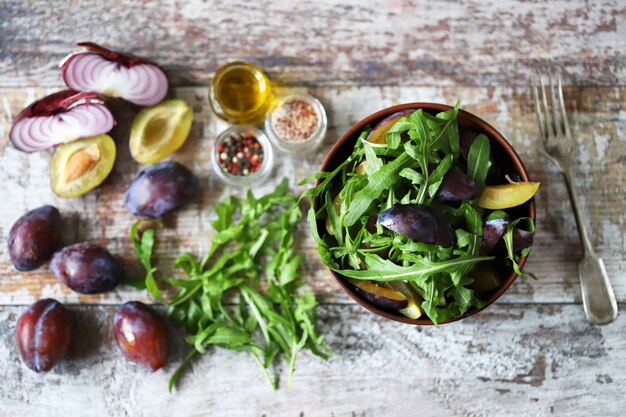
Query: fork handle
{"type": "Point", "coordinates": [598, 297]}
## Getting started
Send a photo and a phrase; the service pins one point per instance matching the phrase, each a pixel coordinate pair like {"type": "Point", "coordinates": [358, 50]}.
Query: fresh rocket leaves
{"type": "Point", "coordinates": [409, 169]}
{"type": "Point", "coordinates": [252, 258]}
{"type": "Point", "coordinates": [478, 163]}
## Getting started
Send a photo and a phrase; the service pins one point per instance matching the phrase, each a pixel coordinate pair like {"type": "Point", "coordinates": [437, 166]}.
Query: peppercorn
{"type": "Point", "coordinates": [240, 154]}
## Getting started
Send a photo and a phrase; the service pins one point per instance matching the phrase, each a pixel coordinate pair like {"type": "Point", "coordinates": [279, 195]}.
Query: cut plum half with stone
{"type": "Point", "coordinates": [82, 165]}
{"type": "Point", "coordinates": [114, 74]}
{"type": "Point", "coordinates": [60, 118]}
{"type": "Point", "coordinates": [160, 130]}
{"type": "Point", "coordinates": [418, 222]}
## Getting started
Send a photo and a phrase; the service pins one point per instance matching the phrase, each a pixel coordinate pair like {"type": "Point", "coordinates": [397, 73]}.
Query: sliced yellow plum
{"type": "Point", "coordinates": [412, 310]}
{"type": "Point", "coordinates": [496, 197]}
{"type": "Point", "coordinates": [379, 133]}
{"type": "Point", "coordinates": [360, 169]}
{"type": "Point", "coordinates": [80, 166]}
{"type": "Point", "coordinates": [378, 296]}
{"type": "Point", "coordinates": [160, 130]}
{"type": "Point", "coordinates": [337, 203]}
{"type": "Point", "coordinates": [486, 277]}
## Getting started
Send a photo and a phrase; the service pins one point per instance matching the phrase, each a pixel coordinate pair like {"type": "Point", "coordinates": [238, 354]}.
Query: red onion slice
{"type": "Point", "coordinates": [60, 118]}
{"type": "Point", "coordinates": [113, 74]}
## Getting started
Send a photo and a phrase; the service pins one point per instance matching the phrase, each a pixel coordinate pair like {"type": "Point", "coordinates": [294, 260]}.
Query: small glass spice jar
{"type": "Point", "coordinates": [242, 155]}
{"type": "Point", "coordinates": [297, 123]}
{"type": "Point", "coordinates": [240, 93]}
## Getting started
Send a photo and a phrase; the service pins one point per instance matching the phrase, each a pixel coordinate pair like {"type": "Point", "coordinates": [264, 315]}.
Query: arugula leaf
{"type": "Point", "coordinates": [478, 162]}
{"type": "Point", "coordinates": [252, 253]}
{"type": "Point", "coordinates": [379, 269]}
{"type": "Point", "coordinates": [508, 241]}
{"type": "Point", "coordinates": [377, 183]}
{"type": "Point", "coordinates": [144, 247]}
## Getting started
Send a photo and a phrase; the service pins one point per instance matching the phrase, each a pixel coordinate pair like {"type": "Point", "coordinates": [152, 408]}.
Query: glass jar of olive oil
{"type": "Point", "coordinates": [240, 93]}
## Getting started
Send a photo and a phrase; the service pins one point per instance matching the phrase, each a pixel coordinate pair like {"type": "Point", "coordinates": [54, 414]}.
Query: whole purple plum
{"type": "Point", "coordinates": [159, 189]}
{"type": "Point", "coordinates": [43, 334]}
{"type": "Point", "coordinates": [34, 237]}
{"type": "Point", "coordinates": [87, 268]}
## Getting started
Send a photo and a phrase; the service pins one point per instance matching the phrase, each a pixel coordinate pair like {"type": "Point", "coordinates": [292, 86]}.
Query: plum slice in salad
{"type": "Point", "coordinates": [431, 236]}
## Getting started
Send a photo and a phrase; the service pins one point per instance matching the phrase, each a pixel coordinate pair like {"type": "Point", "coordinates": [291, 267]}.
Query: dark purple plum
{"type": "Point", "coordinates": [381, 297]}
{"type": "Point", "coordinates": [43, 334]}
{"type": "Point", "coordinates": [419, 223]}
{"type": "Point", "coordinates": [492, 238]}
{"type": "Point", "coordinates": [486, 277]}
{"type": "Point", "coordinates": [492, 233]}
{"type": "Point", "coordinates": [379, 132]}
{"type": "Point", "coordinates": [457, 186]}
{"type": "Point", "coordinates": [34, 237]}
{"type": "Point", "coordinates": [159, 189]}
{"type": "Point", "coordinates": [522, 239]}
{"type": "Point", "coordinates": [141, 335]}
{"type": "Point", "coordinates": [87, 268]}
{"type": "Point", "coordinates": [467, 135]}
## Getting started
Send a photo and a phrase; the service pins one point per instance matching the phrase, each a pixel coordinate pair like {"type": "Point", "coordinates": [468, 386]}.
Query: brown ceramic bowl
{"type": "Point", "coordinates": [505, 157]}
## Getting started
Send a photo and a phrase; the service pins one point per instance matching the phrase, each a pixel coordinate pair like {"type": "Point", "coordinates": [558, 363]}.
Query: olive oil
{"type": "Point", "coordinates": [240, 93]}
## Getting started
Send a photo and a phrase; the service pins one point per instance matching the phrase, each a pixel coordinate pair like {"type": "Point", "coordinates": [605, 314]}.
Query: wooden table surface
{"type": "Point", "coordinates": [530, 354]}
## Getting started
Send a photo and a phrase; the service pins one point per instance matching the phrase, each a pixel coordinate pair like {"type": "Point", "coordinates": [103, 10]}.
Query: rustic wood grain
{"type": "Point", "coordinates": [402, 42]}
{"type": "Point", "coordinates": [600, 175]}
{"type": "Point", "coordinates": [516, 360]}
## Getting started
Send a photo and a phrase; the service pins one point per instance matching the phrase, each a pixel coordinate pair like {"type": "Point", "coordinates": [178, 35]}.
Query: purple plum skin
{"type": "Point", "coordinates": [419, 223]}
{"type": "Point", "coordinates": [43, 334]}
{"type": "Point", "coordinates": [380, 301]}
{"type": "Point", "coordinates": [141, 335]}
{"type": "Point", "coordinates": [87, 268]}
{"type": "Point", "coordinates": [457, 186]}
{"type": "Point", "coordinates": [34, 238]}
{"type": "Point", "coordinates": [492, 233]}
{"type": "Point", "coordinates": [159, 189]}
{"type": "Point", "coordinates": [492, 242]}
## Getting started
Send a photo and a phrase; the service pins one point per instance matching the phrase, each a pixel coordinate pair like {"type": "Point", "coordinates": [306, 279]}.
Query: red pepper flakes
{"type": "Point", "coordinates": [240, 154]}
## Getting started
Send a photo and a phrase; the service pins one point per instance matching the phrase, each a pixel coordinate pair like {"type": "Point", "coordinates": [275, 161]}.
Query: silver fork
{"type": "Point", "coordinates": [598, 298]}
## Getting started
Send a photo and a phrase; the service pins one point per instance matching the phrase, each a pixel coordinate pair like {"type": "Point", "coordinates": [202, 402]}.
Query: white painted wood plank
{"type": "Point", "coordinates": [513, 360]}
{"type": "Point", "coordinates": [419, 42]}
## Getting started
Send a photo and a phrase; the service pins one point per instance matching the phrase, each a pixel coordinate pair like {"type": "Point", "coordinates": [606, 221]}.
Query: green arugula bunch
{"type": "Point", "coordinates": [376, 177]}
{"type": "Point", "coordinates": [252, 257]}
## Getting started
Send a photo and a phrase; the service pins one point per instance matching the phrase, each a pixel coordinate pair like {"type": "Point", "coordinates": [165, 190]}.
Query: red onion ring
{"type": "Point", "coordinates": [113, 74]}
{"type": "Point", "coordinates": [60, 118]}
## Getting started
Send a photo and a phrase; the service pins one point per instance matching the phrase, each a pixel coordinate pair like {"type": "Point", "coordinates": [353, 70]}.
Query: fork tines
{"type": "Point", "coordinates": [552, 120]}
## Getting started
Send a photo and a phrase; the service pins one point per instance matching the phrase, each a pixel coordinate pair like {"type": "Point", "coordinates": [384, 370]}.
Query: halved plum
{"type": "Point", "coordinates": [160, 130]}
{"type": "Point", "coordinates": [82, 165]}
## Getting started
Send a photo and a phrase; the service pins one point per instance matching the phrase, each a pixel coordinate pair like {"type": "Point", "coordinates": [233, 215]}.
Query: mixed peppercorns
{"type": "Point", "coordinates": [240, 153]}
